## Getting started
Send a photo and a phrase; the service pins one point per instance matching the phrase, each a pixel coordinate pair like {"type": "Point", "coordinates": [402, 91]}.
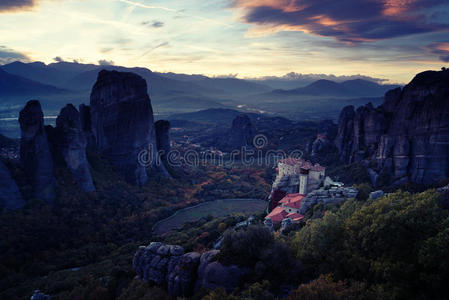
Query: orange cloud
{"type": "Point", "coordinates": [396, 7]}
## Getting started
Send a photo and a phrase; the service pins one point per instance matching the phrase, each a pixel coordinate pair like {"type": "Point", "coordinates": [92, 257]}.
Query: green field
{"type": "Point", "coordinates": [217, 208]}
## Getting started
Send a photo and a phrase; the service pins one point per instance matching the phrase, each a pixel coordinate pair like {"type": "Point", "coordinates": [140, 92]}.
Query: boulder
{"type": "Point", "coordinates": [376, 194]}
{"type": "Point", "coordinates": [212, 274]}
{"type": "Point", "coordinates": [182, 274]}
{"type": "Point", "coordinates": [71, 143]}
{"type": "Point", "coordinates": [10, 196]}
{"type": "Point", "coordinates": [182, 277]}
{"type": "Point", "coordinates": [35, 154]}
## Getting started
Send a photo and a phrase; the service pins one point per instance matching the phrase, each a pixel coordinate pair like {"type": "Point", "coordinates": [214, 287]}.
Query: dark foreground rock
{"type": "Point", "coordinates": [10, 197]}
{"type": "Point", "coordinates": [407, 137]}
{"type": "Point", "coordinates": [122, 124]}
{"type": "Point", "coordinates": [183, 273]}
{"type": "Point", "coordinates": [35, 153]}
{"type": "Point", "coordinates": [72, 144]}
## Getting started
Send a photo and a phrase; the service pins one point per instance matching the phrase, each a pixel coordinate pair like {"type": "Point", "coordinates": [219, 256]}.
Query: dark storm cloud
{"type": "Point", "coordinates": [12, 5]}
{"type": "Point", "coordinates": [348, 20]}
{"type": "Point", "coordinates": [8, 55]}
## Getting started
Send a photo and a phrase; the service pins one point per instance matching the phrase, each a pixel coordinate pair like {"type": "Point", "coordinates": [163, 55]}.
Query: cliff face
{"type": "Point", "coordinates": [407, 136]}
{"type": "Point", "coordinates": [72, 144]}
{"type": "Point", "coordinates": [35, 153]}
{"type": "Point", "coordinates": [323, 141]}
{"type": "Point", "coordinates": [122, 124]}
{"type": "Point", "coordinates": [10, 197]}
{"type": "Point", "coordinates": [162, 128]}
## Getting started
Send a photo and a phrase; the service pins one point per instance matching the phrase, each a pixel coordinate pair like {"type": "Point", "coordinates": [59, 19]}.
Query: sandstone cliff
{"type": "Point", "coordinates": [71, 143]}
{"type": "Point", "coordinates": [122, 124]}
{"type": "Point", "coordinates": [407, 136]}
{"type": "Point", "coordinates": [35, 153]}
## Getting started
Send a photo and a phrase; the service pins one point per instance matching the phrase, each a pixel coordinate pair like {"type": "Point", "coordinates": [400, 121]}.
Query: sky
{"type": "Point", "coordinates": [391, 39]}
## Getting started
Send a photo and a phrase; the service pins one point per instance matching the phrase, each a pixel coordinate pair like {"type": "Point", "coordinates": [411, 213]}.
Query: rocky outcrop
{"type": "Point", "coordinates": [241, 133]}
{"type": "Point", "coordinates": [212, 274]}
{"type": "Point", "coordinates": [183, 273]}
{"type": "Point", "coordinates": [39, 296]}
{"type": "Point", "coordinates": [376, 195]}
{"type": "Point", "coordinates": [35, 153]}
{"type": "Point", "coordinates": [407, 136]}
{"type": "Point", "coordinates": [336, 194]}
{"type": "Point", "coordinates": [71, 143]}
{"type": "Point", "coordinates": [323, 142]}
{"type": "Point", "coordinates": [345, 134]}
{"type": "Point", "coordinates": [162, 128]}
{"type": "Point", "coordinates": [10, 196]}
{"type": "Point", "coordinates": [122, 124]}
{"type": "Point", "coordinates": [86, 125]}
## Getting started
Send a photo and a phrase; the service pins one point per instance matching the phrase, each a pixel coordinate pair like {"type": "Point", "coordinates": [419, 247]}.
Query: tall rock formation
{"type": "Point", "coordinates": [241, 134]}
{"type": "Point", "coordinates": [10, 197]}
{"type": "Point", "coordinates": [162, 128]}
{"type": "Point", "coordinates": [407, 136]}
{"type": "Point", "coordinates": [71, 142]}
{"type": "Point", "coordinates": [86, 125]}
{"type": "Point", "coordinates": [323, 142]}
{"type": "Point", "coordinates": [122, 124]}
{"type": "Point", "coordinates": [35, 153]}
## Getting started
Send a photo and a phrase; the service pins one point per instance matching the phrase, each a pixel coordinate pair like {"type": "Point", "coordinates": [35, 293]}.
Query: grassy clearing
{"type": "Point", "coordinates": [218, 208]}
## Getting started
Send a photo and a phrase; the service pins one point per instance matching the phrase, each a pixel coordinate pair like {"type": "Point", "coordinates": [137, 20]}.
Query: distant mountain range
{"type": "Point", "coordinates": [171, 93]}
{"type": "Point", "coordinates": [349, 88]}
{"type": "Point", "coordinates": [13, 85]}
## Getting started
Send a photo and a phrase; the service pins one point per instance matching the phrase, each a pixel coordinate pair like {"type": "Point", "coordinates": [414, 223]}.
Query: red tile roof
{"type": "Point", "coordinates": [292, 200]}
{"type": "Point", "coordinates": [292, 161]}
{"type": "Point", "coordinates": [295, 217]}
{"type": "Point", "coordinates": [277, 214]}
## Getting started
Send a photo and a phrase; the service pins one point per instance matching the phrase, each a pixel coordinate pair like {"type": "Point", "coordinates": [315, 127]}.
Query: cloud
{"type": "Point", "coordinates": [348, 21]}
{"type": "Point", "coordinates": [154, 24]}
{"type": "Point", "coordinates": [293, 76]}
{"type": "Point", "coordinates": [440, 49]}
{"type": "Point", "coordinates": [58, 59]}
{"type": "Point", "coordinates": [106, 49]}
{"type": "Point", "coordinates": [8, 55]}
{"type": "Point", "coordinates": [164, 44]}
{"type": "Point", "coordinates": [104, 62]}
{"type": "Point", "coordinates": [16, 5]}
